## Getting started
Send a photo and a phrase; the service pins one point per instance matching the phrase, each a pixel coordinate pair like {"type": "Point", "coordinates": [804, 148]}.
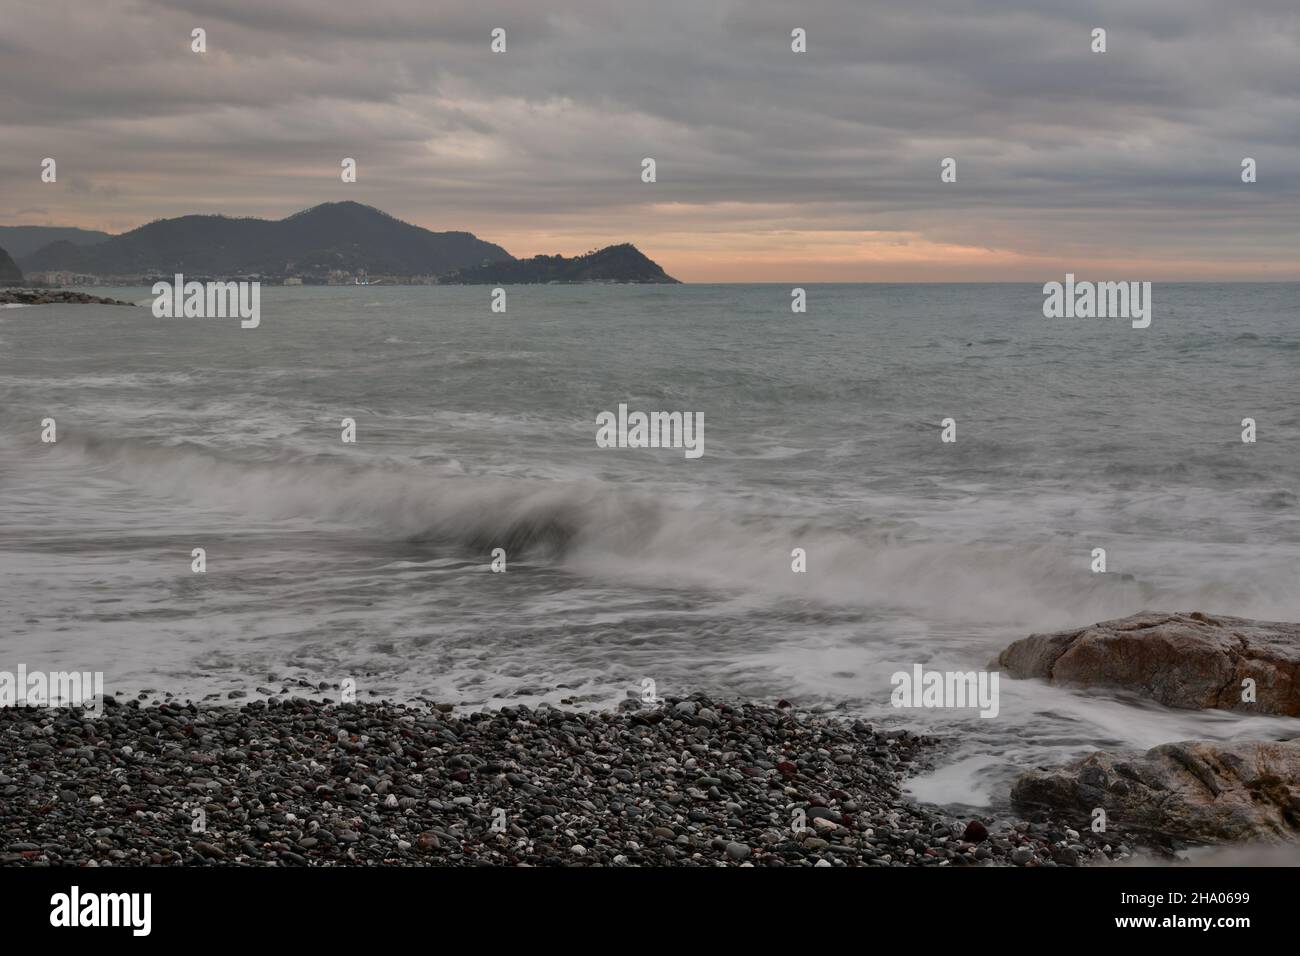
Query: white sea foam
{"type": "Point", "coordinates": [609, 531]}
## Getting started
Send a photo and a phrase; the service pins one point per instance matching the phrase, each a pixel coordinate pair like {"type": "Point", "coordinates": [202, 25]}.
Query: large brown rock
{"type": "Point", "coordinates": [1195, 792]}
{"type": "Point", "coordinates": [1181, 660]}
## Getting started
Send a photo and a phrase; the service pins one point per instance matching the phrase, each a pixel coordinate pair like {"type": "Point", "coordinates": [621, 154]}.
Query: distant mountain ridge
{"type": "Point", "coordinates": [10, 274]}
{"type": "Point", "coordinates": [22, 241]}
{"type": "Point", "coordinates": [340, 236]}
{"type": "Point", "coordinates": [621, 263]}
{"type": "Point", "coordinates": [323, 243]}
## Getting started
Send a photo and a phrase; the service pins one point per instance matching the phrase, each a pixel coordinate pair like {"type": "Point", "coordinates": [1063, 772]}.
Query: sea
{"type": "Point", "coordinates": [628, 570]}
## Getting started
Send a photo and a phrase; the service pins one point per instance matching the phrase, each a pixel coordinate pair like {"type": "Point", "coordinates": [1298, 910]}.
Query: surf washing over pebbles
{"type": "Point", "coordinates": [370, 561]}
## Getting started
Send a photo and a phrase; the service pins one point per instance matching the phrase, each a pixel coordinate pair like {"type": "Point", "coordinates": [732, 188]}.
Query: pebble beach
{"type": "Point", "coordinates": [292, 781]}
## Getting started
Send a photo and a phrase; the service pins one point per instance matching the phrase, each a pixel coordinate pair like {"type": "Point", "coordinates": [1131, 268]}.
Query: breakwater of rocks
{"type": "Point", "coordinates": [54, 297]}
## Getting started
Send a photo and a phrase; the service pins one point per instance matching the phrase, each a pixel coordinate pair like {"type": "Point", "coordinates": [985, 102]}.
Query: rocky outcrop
{"type": "Point", "coordinates": [1193, 792]}
{"type": "Point", "coordinates": [1188, 660]}
{"type": "Point", "coordinates": [621, 263]}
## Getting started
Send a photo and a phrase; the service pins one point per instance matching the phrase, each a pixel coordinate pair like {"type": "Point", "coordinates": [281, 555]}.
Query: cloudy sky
{"type": "Point", "coordinates": [772, 165]}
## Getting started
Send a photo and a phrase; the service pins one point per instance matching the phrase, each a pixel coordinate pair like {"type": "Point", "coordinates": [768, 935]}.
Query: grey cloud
{"type": "Point", "coordinates": [1056, 146]}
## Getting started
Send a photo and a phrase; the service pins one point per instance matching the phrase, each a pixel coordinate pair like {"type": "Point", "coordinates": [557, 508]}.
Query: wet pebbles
{"type": "Point", "coordinates": [296, 782]}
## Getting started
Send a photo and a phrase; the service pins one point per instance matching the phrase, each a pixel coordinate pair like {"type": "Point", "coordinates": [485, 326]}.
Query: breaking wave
{"type": "Point", "coordinates": [605, 530]}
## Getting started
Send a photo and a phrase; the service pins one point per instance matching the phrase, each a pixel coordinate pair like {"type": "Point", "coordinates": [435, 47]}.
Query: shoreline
{"type": "Point", "coordinates": [292, 781]}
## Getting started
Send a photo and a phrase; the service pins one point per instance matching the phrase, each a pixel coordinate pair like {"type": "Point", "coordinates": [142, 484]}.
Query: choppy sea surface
{"type": "Point", "coordinates": [476, 430]}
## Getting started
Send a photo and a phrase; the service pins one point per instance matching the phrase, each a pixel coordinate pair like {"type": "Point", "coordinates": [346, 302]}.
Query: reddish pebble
{"type": "Point", "coordinates": [976, 832]}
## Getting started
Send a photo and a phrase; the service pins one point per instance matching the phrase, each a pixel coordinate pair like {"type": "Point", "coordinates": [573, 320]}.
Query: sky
{"type": "Point", "coordinates": [771, 164]}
